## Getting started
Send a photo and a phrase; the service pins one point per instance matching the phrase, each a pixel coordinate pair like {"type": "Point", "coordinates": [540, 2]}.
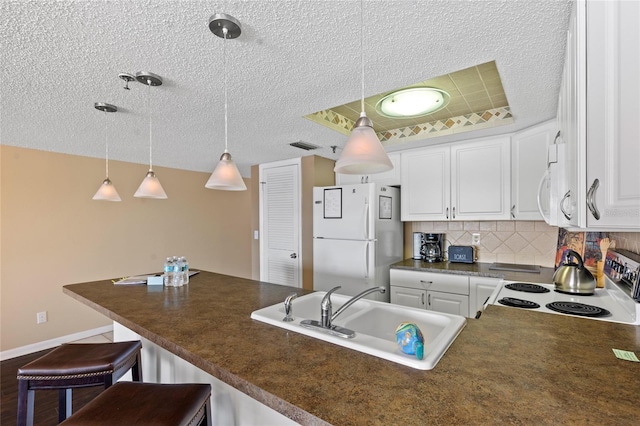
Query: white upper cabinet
{"type": "Point", "coordinates": [390, 178]}
{"type": "Point", "coordinates": [463, 181]}
{"type": "Point", "coordinates": [528, 165]}
{"type": "Point", "coordinates": [613, 115]}
{"type": "Point", "coordinates": [598, 116]}
{"type": "Point", "coordinates": [481, 179]}
{"type": "Point", "coordinates": [425, 188]}
{"type": "Point", "coordinates": [571, 122]}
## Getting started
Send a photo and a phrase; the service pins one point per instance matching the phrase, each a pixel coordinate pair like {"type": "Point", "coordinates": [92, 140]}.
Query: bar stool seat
{"type": "Point", "coordinates": [75, 365]}
{"type": "Point", "coordinates": [129, 403]}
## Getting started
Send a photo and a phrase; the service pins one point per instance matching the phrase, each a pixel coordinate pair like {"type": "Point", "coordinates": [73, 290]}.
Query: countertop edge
{"type": "Point", "coordinates": [477, 269]}
{"type": "Point", "coordinates": [277, 404]}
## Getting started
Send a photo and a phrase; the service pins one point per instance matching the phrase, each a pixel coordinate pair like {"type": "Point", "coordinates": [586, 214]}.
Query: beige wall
{"type": "Point", "coordinates": [53, 234]}
{"type": "Point", "coordinates": [255, 222]}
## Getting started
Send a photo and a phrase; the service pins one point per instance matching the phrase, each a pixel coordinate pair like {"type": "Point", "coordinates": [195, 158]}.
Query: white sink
{"type": "Point", "coordinates": [374, 323]}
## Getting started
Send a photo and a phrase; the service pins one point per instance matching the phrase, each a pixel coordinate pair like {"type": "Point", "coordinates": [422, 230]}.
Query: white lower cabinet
{"type": "Point", "coordinates": [432, 291]}
{"type": "Point", "coordinates": [449, 293]}
{"type": "Point", "coordinates": [449, 303]}
{"type": "Point", "coordinates": [229, 406]}
{"type": "Point", "coordinates": [480, 288]}
{"type": "Point", "coordinates": [406, 296]}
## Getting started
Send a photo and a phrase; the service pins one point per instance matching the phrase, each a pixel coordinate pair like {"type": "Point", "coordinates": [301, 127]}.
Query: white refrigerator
{"type": "Point", "coordinates": [357, 234]}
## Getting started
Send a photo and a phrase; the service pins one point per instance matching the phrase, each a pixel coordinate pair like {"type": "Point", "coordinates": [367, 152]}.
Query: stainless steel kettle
{"type": "Point", "coordinates": [574, 278]}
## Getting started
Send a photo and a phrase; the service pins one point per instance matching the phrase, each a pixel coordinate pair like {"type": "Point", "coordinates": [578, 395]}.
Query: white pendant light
{"type": "Point", "coordinates": [150, 186]}
{"type": "Point", "coordinates": [106, 192]}
{"type": "Point", "coordinates": [363, 152]}
{"type": "Point", "coordinates": [225, 176]}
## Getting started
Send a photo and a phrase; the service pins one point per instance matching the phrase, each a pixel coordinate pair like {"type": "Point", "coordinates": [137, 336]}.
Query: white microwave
{"type": "Point", "coordinates": [551, 184]}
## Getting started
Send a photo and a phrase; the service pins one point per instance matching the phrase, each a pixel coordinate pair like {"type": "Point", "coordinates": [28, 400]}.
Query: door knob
{"type": "Point", "coordinates": [293, 255]}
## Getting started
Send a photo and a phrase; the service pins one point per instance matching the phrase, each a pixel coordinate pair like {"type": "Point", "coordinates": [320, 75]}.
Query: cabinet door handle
{"type": "Point", "coordinates": [428, 283]}
{"type": "Point", "coordinates": [454, 213]}
{"type": "Point", "coordinates": [447, 214]}
{"type": "Point", "coordinates": [564, 212]}
{"type": "Point", "coordinates": [513, 216]}
{"type": "Point", "coordinates": [422, 299]}
{"type": "Point", "coordinates": [591, 199]}
{"type": "Point", "coordinates": [429, 299]}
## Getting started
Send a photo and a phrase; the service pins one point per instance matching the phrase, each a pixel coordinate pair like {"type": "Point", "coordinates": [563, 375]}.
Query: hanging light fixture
{"type": "Point", "coordinates": [150, 186]}
{"type": "Point", "coordinates": [225, 176]}
{"type": "Point", "coordinates": [106, 192]}
{"type": "Point", "coordinates": [363, 152]}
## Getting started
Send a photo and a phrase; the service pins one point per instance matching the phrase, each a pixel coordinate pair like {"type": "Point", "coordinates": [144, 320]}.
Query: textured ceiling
{"type": "Point", "coordinates": [293, 58]}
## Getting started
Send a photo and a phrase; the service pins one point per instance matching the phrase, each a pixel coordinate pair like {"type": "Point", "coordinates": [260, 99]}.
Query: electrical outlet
{"type": "Point", "coordinates": [475, 239]}
{"type": "Point", "coordinates": [41, 317]}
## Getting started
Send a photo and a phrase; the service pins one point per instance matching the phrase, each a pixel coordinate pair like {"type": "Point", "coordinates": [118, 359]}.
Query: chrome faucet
{"type": "Point", "coordinates": [327, 317]}
{"type": "Point", "coordinates": [288, 307]}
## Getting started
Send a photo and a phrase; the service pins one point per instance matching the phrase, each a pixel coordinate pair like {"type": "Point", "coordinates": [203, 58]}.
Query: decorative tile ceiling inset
{"type": "Point", "coordinates": [477, 101]}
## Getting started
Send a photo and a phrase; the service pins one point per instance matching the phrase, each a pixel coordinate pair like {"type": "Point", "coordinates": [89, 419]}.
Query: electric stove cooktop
{"type": "Point", "coordinates": [606, 304]}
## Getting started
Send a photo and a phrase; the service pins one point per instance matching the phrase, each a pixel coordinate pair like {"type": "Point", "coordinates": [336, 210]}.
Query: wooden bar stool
{"type": "Point", "coordinates": [129, 403]}
{"type": "Point", "coordinates": [75, 366]}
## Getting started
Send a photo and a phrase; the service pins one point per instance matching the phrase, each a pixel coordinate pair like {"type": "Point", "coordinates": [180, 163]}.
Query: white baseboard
{"type": "Point", "coordinates": [52, 343]}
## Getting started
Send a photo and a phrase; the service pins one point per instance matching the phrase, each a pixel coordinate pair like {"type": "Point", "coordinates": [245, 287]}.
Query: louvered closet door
{"type": "Point", "coordinates": [280, 262]}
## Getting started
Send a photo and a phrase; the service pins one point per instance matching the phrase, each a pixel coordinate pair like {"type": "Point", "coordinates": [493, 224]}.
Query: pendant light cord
{"type": "Point", "coordinates": [150, 133]}
{"type": "Point", "coordinates": [224, 72]}
{"type": "Point", "coordinates": [362, 50]}
{"type": "Point", "coordinates": [106, 144]}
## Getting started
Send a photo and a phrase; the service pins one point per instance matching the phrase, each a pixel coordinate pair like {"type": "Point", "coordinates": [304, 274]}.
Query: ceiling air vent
{"type": "Point", "coordinates": [304, 145]}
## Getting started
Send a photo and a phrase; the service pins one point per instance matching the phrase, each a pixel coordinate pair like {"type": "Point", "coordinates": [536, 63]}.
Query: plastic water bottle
{"type": "Point", "coordinates": [177, 272]}
{"type": "Point", "coordinates": [185, 271]}
{"type": "Point", "coordinates": [167, 278]}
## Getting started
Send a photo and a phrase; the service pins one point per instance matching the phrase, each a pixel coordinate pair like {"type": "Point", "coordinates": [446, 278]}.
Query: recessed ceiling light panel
{"type": "Point", "coordinates": [413, 102]}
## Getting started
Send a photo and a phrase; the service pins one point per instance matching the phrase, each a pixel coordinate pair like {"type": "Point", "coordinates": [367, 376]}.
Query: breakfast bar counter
{"type": "Point", "coordinates": [510, 366]}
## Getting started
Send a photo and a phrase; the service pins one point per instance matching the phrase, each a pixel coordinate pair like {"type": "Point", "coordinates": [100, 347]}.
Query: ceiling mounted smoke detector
{"type": "Point", "coordinates": [413, 102]}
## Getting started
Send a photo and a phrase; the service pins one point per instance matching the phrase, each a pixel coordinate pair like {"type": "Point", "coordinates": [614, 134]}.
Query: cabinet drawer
{"type": "Point", "coordinates": [447, 283]}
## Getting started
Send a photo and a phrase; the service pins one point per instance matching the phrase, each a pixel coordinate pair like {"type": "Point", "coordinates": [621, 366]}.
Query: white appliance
{"type": "Point", "coordinates": [549, 197]}
{"type": "Point", "coordinates": [357, 235]}
{"type": "Point", "coordinates": [616, 302]}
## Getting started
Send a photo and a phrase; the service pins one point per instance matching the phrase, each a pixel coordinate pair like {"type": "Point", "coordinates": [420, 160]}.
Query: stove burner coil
{"type": "Point", "coordinates": [518, 303]}
{"type": "Point", "coordinates": [527, 288]}
{"type": "Point", "coordinates": [575, 308]}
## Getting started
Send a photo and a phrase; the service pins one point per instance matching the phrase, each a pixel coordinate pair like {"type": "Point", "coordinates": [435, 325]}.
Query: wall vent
{"type": "Point", "coordinates": [304, 145]}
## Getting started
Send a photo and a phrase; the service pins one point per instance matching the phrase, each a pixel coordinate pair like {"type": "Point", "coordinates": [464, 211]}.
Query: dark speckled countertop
{"type": "Point", "coordinates": [510, 366]}
{"type": "Point", "coordinates": [478, 269]}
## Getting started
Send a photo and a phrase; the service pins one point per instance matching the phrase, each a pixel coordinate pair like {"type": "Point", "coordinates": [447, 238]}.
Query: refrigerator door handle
{"type": "Point", "coordinates": [366, 260]}
{"type": "Point", "coordinates": [365, 221]}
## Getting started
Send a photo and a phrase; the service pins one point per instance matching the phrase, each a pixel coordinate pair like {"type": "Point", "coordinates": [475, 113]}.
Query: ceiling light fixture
{"type": "Point", "coordinates": [225, 176]}
{"type": "Point", "coordinates": [363, 152]}
{"type": "Point", "coordinates": [106, 192]}
{"type": "Point", "coordinates": [150, 186]}
{"type": "Point", "coordinates": [412, 102]}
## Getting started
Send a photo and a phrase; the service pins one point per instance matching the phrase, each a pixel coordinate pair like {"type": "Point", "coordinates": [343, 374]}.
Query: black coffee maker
{"type": "Point", "coordinates": [433, 248]}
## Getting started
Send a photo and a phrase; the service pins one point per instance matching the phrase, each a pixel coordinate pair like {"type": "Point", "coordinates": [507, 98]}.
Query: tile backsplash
{"type": "Point", "coordinates": [627, 240]}
{"type": "Point", "coordinates": [523, 242]}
